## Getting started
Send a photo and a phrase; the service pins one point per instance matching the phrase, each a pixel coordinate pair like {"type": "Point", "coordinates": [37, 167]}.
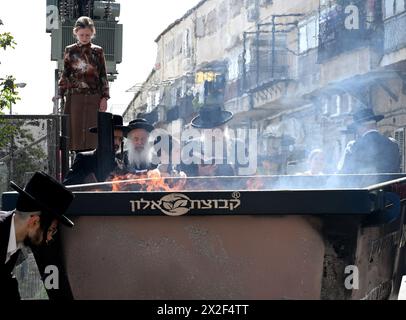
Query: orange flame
{"type": "Point", "coordinates": [150, 181]}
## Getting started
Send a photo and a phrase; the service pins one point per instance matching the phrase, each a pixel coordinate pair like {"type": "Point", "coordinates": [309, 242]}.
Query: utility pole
{"type": "Point", "coordinates": [11, 152]}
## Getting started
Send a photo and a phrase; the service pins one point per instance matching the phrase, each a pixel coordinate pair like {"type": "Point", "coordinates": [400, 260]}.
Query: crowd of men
{"type": "Point", "coordinates": [370, 153]}
{"type": "Point", "coordinates": [138, 158]}
{"type": "Point", "coordinates": [44, 201]}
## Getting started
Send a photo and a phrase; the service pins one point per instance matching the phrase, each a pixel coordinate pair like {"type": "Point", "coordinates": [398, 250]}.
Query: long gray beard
{"type": "Point", "coordinates": [137, 158]}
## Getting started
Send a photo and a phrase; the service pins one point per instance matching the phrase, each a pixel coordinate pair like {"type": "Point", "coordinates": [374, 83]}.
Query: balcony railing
{"type": "Point", "coordinates": [348, 25]}
{"type": "Point", "coordinates": [395, 35]}
{"type": "Point", "coordinates": [269, 53]}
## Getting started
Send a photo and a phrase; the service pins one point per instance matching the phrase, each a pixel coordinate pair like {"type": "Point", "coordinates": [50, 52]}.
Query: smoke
{"type": "Point", "coordinates": [215, 146]}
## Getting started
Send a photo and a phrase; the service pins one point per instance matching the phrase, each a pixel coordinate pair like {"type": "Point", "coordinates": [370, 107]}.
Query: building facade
{"type": "Point", "coordinates": [293, 70]}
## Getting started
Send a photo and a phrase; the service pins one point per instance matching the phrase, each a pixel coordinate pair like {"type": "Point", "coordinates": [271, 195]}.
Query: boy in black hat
{"type": "Point", "coordinates": [40, 206]}
{"type": "Point", "coordinates": [371, 152]}
{"type": "Point", "coordinates": [84, 168]}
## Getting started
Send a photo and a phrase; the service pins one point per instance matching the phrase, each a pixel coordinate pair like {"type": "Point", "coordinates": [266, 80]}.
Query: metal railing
{"type": "Point", "coordinates": [29, 143]}
{"type": "Point", "coordinates": [269, 55]}
{"type": "Point", "coordinates": [336, 37]}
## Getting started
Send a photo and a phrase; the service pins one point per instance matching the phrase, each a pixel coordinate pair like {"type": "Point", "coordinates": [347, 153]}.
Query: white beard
{"type": "Point", "coordinates": [138, 158]}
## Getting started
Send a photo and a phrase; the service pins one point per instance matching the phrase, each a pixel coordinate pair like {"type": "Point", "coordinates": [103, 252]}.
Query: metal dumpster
{"type": "Point", "coordinates": [293, 237]}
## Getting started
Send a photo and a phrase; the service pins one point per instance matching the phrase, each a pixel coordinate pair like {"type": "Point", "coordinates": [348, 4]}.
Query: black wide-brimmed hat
{"type": "Point", "coordinates": [363, 115]}
{"type": "Point", "coordinates": [211, 117]}
{"type": "Point", "coordinates": [139, 123]}
{"type": "Point", "coordinates": [117, 124]}
{"type": "Point", "coordinates": [48, 195]}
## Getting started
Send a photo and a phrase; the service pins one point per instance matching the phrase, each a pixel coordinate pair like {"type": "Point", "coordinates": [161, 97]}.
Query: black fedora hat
{"type": "Point", "coordinates": [49, 196]}
{"type": "Point", "coordinates": [362, 116]}
{"type": "Point", "coordinates": [139, 123]}
{"type": "Point", "coordinates": [117, 124]}
{"type": "Point", "coordinates": [211, 117]}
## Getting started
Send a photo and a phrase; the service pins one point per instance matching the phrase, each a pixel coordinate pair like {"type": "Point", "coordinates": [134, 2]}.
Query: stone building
{"type": "Point", "coordinates": [294, 70]}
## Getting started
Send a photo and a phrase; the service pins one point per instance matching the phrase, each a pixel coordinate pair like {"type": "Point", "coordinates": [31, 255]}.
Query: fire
{"type": "Point", "coordinates": [149, 181]}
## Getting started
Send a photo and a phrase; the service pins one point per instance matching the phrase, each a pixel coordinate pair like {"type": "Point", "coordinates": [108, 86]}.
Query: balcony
{"type": "Point", "coordinates": [395, 35]}
{"type": "Point", "coordinates": [267, 61]}
{"type": "Point", "coordinates": [151, 117]}
{"type": "Point", "coordinates": [184, 110]}
{"type": "Point", "coordinates": [342, 29]}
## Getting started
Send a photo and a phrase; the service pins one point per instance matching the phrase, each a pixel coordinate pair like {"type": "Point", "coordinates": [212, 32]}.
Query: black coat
{"type": "Point", "coordinates": [44, 256]}
{"type": "Point", "coordinates": [85, 170]}
{"type": "Point", "coordinates": [84, 165]}
{"type": "Point", "coordinates": [372, 153]}
{"type": "Point", "coordinates": [8, 283]}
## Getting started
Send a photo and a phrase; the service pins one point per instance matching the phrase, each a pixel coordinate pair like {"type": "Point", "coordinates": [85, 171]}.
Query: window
{"type": "Point", "coordinates": [149, 103]}
{"type": "Point", "coordinates": [200, 27]}
{"type": "Point", "coordinates": [170, 50]}
{"type": "Point", "coordinates": [211, 23]}
{"type": "Point", "coordinates": [302, 39]}
{"type": "Point", "coordinates": [346, 104]}
{"type": "Point", "coordinates": [389, 8]}
{"type": "Point", "coordinates": [157, 98]}
{"type": "Point", "coordinates": [312, 33]}
{"type": "Point", "coordinates": [335, 105]}
{"type": "Point", "coordinates": [351, 103]}
{"type": "Point", "coordinates": [179, 44]}
{"type": "Point", "coordinates": [174, 97]}
{"type": "Point", "coordinates": [400, 6]}
{"type": "Point", "coordinates": [308, 35]}
{"type": "Point", "coordinates": [186, 44]}
{"type": "Point", "coordinates": [153, 100]}
{"type": "Point", "coordinates": [183, 89]}
{"type": "Point", "coordinates": [325, 108]}
{"type": "Point", "coordinates": [393, 7]}
{"type": "Point", "coordinates": [233, 67]}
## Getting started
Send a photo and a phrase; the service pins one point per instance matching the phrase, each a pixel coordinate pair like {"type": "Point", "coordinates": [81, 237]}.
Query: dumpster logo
{"type": "Point", "coordinates": [177, 204]}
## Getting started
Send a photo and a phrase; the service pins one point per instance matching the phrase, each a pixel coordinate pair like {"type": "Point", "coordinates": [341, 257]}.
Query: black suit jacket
{"type": "Point", "coordinates": [84, 165]}
{"type": "Point", "coordinates": [85, 169]}
{"type": "Point", "coordinates": [44, 256]}
{"type": "Point", "coordinates": [8, 284]}
{"type": "Point", "coordinates": [372, 153]}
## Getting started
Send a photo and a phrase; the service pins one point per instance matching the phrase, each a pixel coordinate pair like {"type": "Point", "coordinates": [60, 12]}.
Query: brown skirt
{"type": "Point", "coordinates": [82, 110]}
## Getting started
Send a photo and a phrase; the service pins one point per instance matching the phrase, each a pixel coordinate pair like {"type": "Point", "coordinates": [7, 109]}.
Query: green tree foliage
{"type": "Point", "coordinates": [8, 92]}
{"type": "Point", "coordinates": [20, 154]}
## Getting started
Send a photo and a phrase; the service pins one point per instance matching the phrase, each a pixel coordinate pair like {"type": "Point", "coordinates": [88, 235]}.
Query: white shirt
{"type": "Point", "coordinates": [13, 246]}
